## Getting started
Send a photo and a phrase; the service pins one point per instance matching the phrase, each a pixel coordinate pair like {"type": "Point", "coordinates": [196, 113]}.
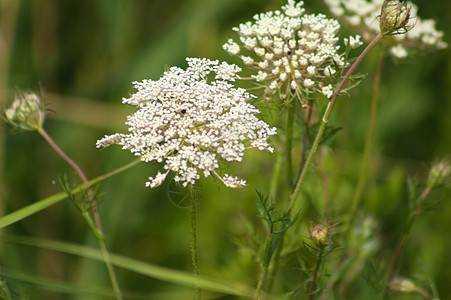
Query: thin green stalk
{"type": "Point", "coordinates": [97, 228]}
{"type": "Point", "coordinates": [289, 144]}
{"type": "Point", "coordinates": [305, 139]}
{"type": "Point", "coordinates": [325, 120]}
{"type": "Point", "coordinates": [265, 266]}
{"type": "Point", "coordinates": [408, 227]}
{"type": "Point", "coordinates": [368, 142]}
{"type": "Point", "coordinates": [319, 260]}
{"type": "Point", "coordinates": [275, 179]}
{"type": "Point", "coordinates": [273, 270]}
{"type": "Point", "coordinates": [410, 220]}
{"type": "Point", "coordinates": [194, 252]}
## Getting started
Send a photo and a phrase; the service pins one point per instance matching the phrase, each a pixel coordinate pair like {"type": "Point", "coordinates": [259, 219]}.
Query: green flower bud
{"type": "Point", "coordinates": [394, 17]}
{"type": "Point", "coordinates": [26, 112]}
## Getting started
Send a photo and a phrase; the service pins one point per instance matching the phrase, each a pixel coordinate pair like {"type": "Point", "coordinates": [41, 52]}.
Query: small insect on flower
{"type": "Point", "coordinates": [221, 123]}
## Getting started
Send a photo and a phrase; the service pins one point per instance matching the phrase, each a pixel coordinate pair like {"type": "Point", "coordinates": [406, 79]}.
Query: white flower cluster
{"type": "Point", "coordinates": [188, 122]}
{"type": "Point", "coordinates": [290, 47]}
{"type": "Point", "coordinates": [363, 14]}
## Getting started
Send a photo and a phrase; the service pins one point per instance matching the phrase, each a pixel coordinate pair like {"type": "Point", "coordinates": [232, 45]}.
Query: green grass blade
{"type": "Point", "coordinates": [40, 205]}
{"type": "Point", "coordinates": [69, 289]}
{"type": "Point", "coordinates": [31, 209]}
{"type": "Point", "coordinates": [49, 201]}
{"type": "Point", "coordinates": [160, 273]}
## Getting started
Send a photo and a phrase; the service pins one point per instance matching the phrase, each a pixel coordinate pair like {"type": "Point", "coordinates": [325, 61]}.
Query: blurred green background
{"type": "Point", "coordinates": [85, 56]}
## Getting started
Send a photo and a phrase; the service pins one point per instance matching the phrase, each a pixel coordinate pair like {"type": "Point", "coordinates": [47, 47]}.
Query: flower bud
{"type": "Point", "coordinates": [394, 16]}
{"type": "Point", "coordinates": [320, 235]}
{"type": "Point", "coordinates": [439, 173]}
{"type": "Point", "coordinates": [26, 112]}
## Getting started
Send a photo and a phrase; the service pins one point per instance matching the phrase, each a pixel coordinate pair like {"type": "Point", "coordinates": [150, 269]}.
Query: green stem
{"type": "Point", "coordinates": [265, 266]}
{"type": "Point", "coordinates": [319, 260]}
{"type": "Point", "coordinates": [96, 226]}
{"type": "Point", "coordinates": [325, 120]}
{"type": "Point", "coordinates": [305, 139]}
{"type": "Point", "coordinates": [410, 220]}
{"type": "Point", "coordinates": [289, 143]}
{"type": "Point", "coordinates": [368, 142]}
{"type": "Point", "coordinates": [194, 252]}
{"type": "Point", "coordinates": [275, 179]}
{"type": "Point", "coordinates": [275, 266]}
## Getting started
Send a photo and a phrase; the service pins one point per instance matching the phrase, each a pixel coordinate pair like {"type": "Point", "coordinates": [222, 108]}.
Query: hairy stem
{"type": "Point", "coordinates": [97, 228]}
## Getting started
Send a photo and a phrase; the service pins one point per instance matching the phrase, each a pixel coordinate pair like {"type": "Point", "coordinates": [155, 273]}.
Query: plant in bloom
{"type": "Point", "coordinates": [26, 112]}
{"type": "Point", "coordinates": [362, 15]}
{"type": "Point", "coordinates": [288, 49]}
{"type": "Point", "coordinates": [190, 120]}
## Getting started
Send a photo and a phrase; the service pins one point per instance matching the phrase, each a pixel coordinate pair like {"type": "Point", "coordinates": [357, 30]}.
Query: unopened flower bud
{"type": "Point", "coordinates": [439, 173]}
{"type": "Point", "coordinates": [26, 112]}
{"type": "Point", "coordinates": [320, 235]}
{"type": "Point", "coordinates": [394, 17]}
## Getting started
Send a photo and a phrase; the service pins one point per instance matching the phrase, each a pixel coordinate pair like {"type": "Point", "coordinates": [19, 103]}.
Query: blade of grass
{"type": "Point", "coordinates": [49, 201]}
{"type": "Point", "coordinates": [64, 287]}
{"type": "Point", "coordinates": [157, 272]}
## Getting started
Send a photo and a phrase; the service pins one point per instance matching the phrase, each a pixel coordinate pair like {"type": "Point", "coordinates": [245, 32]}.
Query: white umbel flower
{"type": "Point", "coordinates": [291, 49]}
{"type": "Point", "coordinates": [189, 123]}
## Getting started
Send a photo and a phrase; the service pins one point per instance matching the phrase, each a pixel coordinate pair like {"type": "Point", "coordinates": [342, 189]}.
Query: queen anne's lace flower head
{"type": "Point", "coordinates": [362, 15]}
{"type": "Point", "coordinates": [290, 49]}
{"type": "Point", "coordinates": [189, 122]}
{"type": "Point", "coordinates": [26, 112]}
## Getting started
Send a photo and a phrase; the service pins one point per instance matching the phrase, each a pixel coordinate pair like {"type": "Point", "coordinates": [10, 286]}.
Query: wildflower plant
{"type": "Point", "coordinates": [362, 15]}
{"type": "Point", "coordinates": [194, 122]}
{"type": "Point", "coordinates": [288, 49]}
{"type": "Point", "coordinates": [191, 123]}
